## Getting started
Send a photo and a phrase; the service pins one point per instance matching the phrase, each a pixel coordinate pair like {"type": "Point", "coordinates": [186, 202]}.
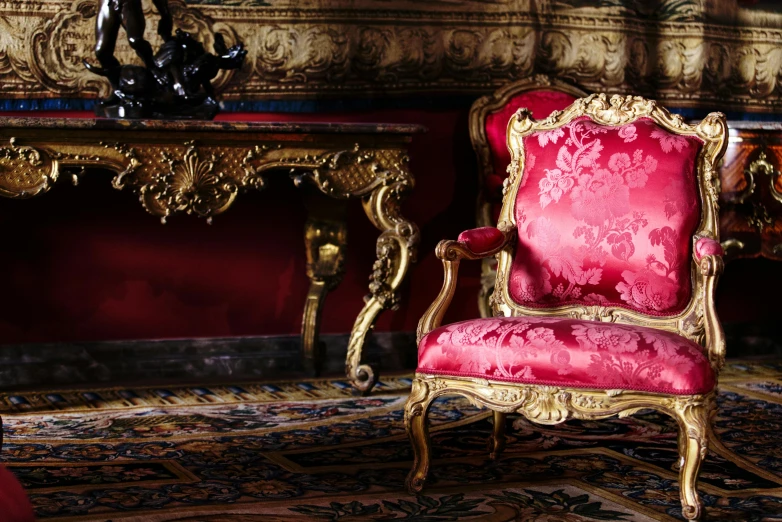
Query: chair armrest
{"type": "Point", "coordinates": [477, 243]}
{"type": "Point", "coordinates": [708, 253]}
{"type": "Point", "coordinates": [706, 246]}
{"type": "Point", "coordinates": [483, 239]}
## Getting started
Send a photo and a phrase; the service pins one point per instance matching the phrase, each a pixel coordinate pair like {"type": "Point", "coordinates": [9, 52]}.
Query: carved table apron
{"type": "Point", "coordinates": [200, 167]}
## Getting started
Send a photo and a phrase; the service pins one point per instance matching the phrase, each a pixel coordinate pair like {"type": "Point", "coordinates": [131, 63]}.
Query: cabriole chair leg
{"type": "Point", "coordinates": [694, 445]}
{"type": "Point", "coordinates": [497, 439]}
{"type": "Point", "coordinates": [681, 441]}
{"type": "Point", "coordinates": [418, 432]}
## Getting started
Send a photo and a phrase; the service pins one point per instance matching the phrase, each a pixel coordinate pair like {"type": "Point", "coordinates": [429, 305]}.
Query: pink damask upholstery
{"type": "Point", "coordinates": [606, 215]}
{"type": "Point", "coordinates": [541, 103]}
{"type": "Point", "coordinates": [567, 352]}
{"type": "Point", "coordinates": [482, 239]}
{"type": "Point", "coordinates": [706, 246]}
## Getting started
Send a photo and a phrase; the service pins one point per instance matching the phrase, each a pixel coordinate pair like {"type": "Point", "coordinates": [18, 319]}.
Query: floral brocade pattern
{"type": "Point", "coordinates": [541, 102]}
{"type": "Point", "coordinates": [567, 352]}
{"type": "Point", "coordinates": [605, 216]}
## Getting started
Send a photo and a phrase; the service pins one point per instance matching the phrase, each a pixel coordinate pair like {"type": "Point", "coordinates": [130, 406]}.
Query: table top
{"type": "Point", "coordinates": [277, 127]}
{"type": "Point", "coordinates": [263, 126]}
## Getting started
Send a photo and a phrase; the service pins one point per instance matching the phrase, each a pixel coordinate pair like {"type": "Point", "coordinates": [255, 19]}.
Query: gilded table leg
{"type": "Point", "coordinates": [326, 242]}
{"type": "Point", "coordinates": [396, 249]}
{"type": "Point", "coordinates": [497, 440]}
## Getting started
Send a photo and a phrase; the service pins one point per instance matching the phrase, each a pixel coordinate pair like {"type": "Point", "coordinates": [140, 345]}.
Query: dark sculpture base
{"type": "Point", "coordinates": [203, 109]}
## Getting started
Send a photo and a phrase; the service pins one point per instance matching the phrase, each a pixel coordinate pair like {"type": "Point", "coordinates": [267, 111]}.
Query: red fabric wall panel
{"type": "Point", "coordinates": [88, 263]}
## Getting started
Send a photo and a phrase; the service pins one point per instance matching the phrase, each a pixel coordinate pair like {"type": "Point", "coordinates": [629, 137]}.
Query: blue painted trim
{"type": "Point", "coordinates": [444, 102]}
{"type": "Point", "coordinates": [53, 104]}
{"type": "Point", "coordinates": [353, 104]}
{"type": "Point", "coordinates": [295, 106]}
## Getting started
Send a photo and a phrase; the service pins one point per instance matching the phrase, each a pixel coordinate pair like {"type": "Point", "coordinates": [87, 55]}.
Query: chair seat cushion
{"type": "Point", "coordinates": [567, 352]}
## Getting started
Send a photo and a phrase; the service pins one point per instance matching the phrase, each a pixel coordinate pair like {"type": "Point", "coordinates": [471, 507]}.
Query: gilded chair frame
{"type": "Point", "coordinates": [479, 111]}
{"type": "Point", "coordinates": [552, 404]}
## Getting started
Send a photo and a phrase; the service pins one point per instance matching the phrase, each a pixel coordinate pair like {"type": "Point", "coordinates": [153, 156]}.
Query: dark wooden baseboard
{"type": "Point", "coordinates": [188, 360]}
{"type": "Point", "coordinates": [248, 358]}
{"type": "Point", "coordinates": [753, 339]}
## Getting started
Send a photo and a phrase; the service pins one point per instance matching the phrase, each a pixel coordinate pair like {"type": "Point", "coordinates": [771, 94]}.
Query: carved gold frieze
{"type": "Point", "coordinates": [683, 52]}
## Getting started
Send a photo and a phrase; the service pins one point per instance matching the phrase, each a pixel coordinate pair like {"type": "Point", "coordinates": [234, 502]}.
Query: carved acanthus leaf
{"type": "Point", "coordinates": [696, 58]}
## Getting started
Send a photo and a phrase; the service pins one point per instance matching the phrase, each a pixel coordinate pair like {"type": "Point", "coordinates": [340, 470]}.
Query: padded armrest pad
{"type": "Point", "coordinates": [483, 239]}
{"type": "Point", "coordinates": [706, 246]}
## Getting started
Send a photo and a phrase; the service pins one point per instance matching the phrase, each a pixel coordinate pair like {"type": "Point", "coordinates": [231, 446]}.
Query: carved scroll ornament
{"type": "Point", "coordinates": [25, 171]}
{"type": "Point", "coordinates": [683, 52]}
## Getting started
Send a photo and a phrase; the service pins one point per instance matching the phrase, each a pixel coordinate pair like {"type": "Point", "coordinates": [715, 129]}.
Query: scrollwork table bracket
{"type": "Point", "coordinates": [396, 249]}
{"type": "Point", "coordinates": [382, 178]}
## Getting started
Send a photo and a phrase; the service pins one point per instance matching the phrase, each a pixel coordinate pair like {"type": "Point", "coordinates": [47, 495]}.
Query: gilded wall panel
{"type": "Point", "coordinates": [688, 53]}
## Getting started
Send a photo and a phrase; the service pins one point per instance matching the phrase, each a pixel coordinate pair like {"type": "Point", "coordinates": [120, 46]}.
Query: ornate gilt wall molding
{"type": "Point", "coordinates": [688, 53]}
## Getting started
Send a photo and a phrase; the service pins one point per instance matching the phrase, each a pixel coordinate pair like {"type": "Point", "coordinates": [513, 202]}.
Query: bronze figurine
{"type": "Point", "coordinates": [130, 15]}
{"type": "Point", "coordinates": [174, 83]}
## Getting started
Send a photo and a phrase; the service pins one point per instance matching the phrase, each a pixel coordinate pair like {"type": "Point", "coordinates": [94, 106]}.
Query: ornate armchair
{"type": "Point", "coordinates": [608, 257]}
{"type": "Point", "coordinates": [488, 122]}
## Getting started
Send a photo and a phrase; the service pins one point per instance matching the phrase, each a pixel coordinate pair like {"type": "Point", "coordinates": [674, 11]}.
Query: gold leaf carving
{"type": "Point", "coordinates": [25, 171]}
{"type": "Point", "coordinates": [192, 184]}
{"type": "Point", "coordinates": [692, 54]}
{"type": "Point", "coordinates": [553, 405]}
{"type": "Point", "coordinates": [506, 395]}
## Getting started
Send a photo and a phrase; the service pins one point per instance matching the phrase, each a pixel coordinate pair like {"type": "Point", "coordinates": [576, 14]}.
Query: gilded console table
{"type": "Point", "coordinates": [200, 168]}
{"type": "Point", "coordinates": [751, 194]}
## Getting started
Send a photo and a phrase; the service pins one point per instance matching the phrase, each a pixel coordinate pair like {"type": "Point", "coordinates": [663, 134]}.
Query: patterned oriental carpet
{"type": "Point", "coordinates": [309, 450]}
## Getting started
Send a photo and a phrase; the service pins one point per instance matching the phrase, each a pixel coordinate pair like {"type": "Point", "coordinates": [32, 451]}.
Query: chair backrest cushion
{"type": "Point", "coordinates": [541, 103]}
{"type": "Point", "coordinates": [605, 216]}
